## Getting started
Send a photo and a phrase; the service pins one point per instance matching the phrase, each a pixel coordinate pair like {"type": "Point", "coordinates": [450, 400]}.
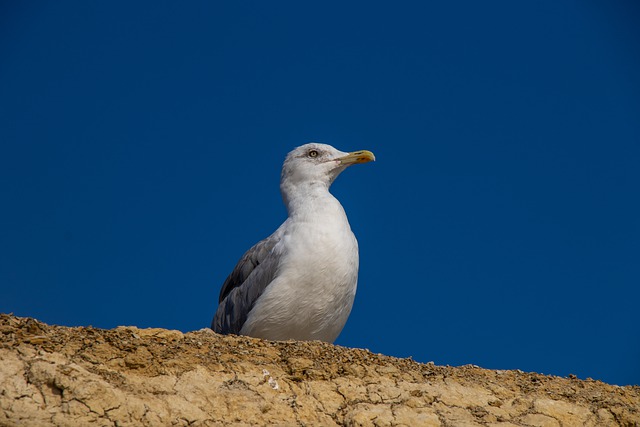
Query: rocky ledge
{"type": "Point", "coordinates": [54, 375]}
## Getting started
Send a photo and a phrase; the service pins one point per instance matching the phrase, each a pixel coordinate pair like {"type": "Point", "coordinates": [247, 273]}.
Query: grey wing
{"type": "Point", "coordinates": [253, 273]}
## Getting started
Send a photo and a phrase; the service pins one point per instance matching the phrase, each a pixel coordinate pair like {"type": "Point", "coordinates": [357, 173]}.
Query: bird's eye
{"type": "Point", "coordinates": [313, 153]}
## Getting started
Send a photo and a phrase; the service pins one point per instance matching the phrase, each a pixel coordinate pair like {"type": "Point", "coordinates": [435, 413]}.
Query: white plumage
{"type": "Point", "coordinates": [300, 282]}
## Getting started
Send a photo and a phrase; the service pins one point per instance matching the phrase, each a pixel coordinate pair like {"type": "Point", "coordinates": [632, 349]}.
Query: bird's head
{"type": "Point", "coordinates": [313, 167]}
{"type": "Point", "coordinates": [318, 164]}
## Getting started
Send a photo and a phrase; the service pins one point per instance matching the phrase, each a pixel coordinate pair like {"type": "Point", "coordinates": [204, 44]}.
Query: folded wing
{"type": "Point", "coordinates": [248, 280]}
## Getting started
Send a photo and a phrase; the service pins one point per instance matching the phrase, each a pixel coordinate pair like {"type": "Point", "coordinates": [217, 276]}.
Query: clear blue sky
{"type": "Point", "coordinates": [141, 146]}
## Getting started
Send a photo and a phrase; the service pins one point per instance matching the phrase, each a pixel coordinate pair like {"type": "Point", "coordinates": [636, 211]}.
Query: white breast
{"type": "Point", "coordinates": [314, 289]}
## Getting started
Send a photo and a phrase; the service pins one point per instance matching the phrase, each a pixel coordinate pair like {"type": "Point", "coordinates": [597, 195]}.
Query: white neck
{"type": "Point", "coordinates": [309, 200]}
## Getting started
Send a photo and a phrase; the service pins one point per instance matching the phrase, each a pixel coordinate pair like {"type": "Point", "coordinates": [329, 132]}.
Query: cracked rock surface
{"type": "Point", "coordinates": [60, 376]}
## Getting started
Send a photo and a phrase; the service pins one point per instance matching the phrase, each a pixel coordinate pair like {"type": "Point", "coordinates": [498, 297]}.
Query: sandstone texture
{"type": "Point", "coordinates": [60, 376]}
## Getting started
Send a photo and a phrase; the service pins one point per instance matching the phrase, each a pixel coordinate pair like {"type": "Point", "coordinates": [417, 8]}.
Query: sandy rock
{"type": "Point", "coordinates": [59, 376]}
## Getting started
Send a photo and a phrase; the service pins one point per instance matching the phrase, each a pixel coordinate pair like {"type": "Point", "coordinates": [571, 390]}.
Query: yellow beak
{"type": "Point", "coordinates": [354, 157]}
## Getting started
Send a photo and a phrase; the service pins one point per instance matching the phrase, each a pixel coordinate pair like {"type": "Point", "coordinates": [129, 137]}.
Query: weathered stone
{"type": "Point", "coordinates": [58, 376]}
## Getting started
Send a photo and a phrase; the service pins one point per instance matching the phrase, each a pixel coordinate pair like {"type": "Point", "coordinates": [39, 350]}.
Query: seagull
{"type": "Point", "coordinates": [300, 282]}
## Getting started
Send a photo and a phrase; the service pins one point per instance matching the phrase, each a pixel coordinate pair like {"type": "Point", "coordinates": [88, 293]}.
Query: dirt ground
{"type": "Point", "coordinates": [53, 375]}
